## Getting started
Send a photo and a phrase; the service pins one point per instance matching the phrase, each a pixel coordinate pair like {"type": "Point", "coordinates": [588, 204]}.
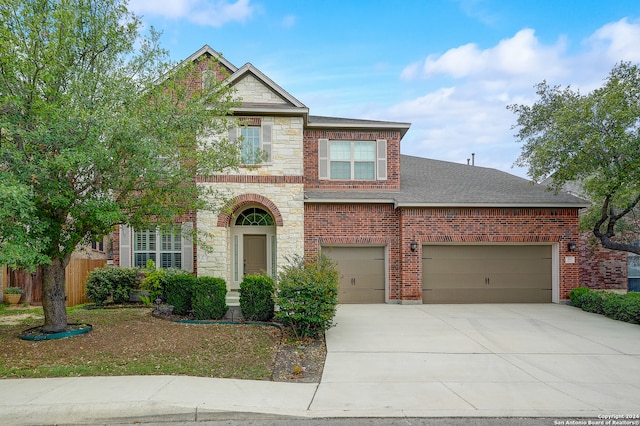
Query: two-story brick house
{"type": "Point", "coordinates": [402, 229]}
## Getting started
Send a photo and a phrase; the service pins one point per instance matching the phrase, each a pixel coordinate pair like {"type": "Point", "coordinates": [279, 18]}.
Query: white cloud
{"type": "Point", "coordinates": [468, 112]}
{"type": "Point", "coordinates": [517, 56]}
{"type": "Point", "coordinates": [619, 41]}
{"type": "Point", "coordinates": [202, 12]}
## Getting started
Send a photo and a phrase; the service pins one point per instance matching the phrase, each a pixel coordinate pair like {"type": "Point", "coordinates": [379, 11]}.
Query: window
{"type": "Point", "coordinates": [164, 247]}
{"type": "Point", "coordinates": [97, 245]}
{"type": "Point", "coordinates": [254, 217]}
{"type": "Point", "coordinates": [256, 140]}
{"type": "Point", "coordinates": [633, 261]}
{"type": "Point", "coordinates": [251, 150]}
{"type": "Point", "coordinates": [352, 160]}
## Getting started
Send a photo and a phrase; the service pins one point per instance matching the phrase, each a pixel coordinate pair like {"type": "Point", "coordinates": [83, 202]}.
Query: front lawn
{"type": "Point", "coordinates": [130, 341]}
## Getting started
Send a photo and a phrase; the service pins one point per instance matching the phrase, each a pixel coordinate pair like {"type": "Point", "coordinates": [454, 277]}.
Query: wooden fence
{"type": "Point", "coordinates": [75, 277]}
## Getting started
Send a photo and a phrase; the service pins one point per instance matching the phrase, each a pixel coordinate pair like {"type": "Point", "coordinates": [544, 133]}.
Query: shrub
{"type": "Point", "coordinates": [256, 297]}
{"type": "Point", "coordinates": [13, 290]}
{"type": "Point", "coordinates": [154, 282]}
{"type": "Point", "coordinates": [622, 307]}
{"type": "Point", "coordinates": [209, 298]}
{"type": "Point", "coordinates": [103, 283]}
{"type": "Point", "coordinates": [307, 295]}
{"type": "Point", "coordinates": [576, 296]}
{"type": "Point", "coordinates": [592, 301]}
{"type": "Point", "coordinates": [178, 289]}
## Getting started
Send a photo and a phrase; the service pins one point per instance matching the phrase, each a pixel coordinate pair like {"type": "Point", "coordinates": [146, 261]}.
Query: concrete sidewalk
{"type": "Point", "coordinates": [145, 398]}
{"type": "Point", "coordinates": [388, 361]}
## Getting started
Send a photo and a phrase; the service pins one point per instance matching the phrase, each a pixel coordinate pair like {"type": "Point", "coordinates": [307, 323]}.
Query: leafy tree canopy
{"type": "Point", "coordinates": [591, 141]}
{"type": "Point", "coordinates": [97, 128]}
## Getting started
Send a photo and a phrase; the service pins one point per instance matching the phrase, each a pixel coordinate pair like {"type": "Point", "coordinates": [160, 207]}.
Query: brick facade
{"type": "Point", "coordinates": [382, 224]}
{"type": "Point", "coordinates": [488, 225]}
{"type": "Point", "coordinates": [355, 224]}
{"type": "Point", "coordinates": [311, 180]}
{"type": "Point", "coordinates": [601, 268]}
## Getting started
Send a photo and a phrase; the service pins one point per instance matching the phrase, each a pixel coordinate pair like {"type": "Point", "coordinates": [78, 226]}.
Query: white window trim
{"type": "Point", "coordinates": [324, 160]}
{"type": "Point", "coordinates": [266, 141]}
{"type": "Point", "coordinates": [127, 246]}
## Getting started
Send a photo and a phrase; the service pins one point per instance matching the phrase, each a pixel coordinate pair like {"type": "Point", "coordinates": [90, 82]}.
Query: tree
{"type": "Point", "coordinates": [97, 128]}
{"type": "Point", "coordinates": [591, 140]}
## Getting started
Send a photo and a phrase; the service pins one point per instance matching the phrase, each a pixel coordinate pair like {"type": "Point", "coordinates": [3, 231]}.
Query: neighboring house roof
{"type": "Point", "coordinates": [434, 183]}
{"type": "Point", "coordinates": [319, 122]}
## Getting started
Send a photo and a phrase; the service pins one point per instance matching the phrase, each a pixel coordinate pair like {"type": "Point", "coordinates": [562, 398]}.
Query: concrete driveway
{"type": "Point", "coordinates": [542, 360]}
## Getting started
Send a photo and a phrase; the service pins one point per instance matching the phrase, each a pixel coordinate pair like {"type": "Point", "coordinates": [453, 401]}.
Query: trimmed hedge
{"type": "Point", "coordinates": [209, 298]}
{"type": "Point", "coordinates": [621, 307]}
{"type": "Point", "coordinates": [576, 296]}
{"type": "Point", "coordinates": [179, 292]}
{"type": "Point", "coordinates": [103, 283]}
{"type": "Point", "coordinates": [256, 297]}
{"type": "Point", "coordinates": [307, 295]}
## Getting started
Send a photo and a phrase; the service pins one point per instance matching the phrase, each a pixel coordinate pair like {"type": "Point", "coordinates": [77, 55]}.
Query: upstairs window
{"type": "Point", "coordinates": [251, 146]}
{"type": "Point", "coordinates": [352, 160]}
{"type": "Point", "coordinates": [256, 141]}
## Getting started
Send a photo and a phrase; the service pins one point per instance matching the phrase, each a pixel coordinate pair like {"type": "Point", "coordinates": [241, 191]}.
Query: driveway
{"type": "Point", "coordinates": [540, 360]}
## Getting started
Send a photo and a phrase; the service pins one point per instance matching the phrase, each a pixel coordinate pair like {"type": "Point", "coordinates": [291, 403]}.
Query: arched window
{"type": "Point", "coordinates": [254, 217]}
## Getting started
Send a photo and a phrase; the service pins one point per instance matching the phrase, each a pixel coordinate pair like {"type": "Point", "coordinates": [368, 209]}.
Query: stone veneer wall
{"type": "Point", "coordinates": [289, 200]}
{"type": "Point", "coordinates": [286, 149]}
{"type": "Point", "coordinates": [251, 90]}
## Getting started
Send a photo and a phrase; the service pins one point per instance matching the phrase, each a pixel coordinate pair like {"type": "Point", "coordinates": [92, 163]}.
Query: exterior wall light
{"type": "Point", "coordinates": [413, 246]}
{"type": "Point", "coordinates": [571, 246]}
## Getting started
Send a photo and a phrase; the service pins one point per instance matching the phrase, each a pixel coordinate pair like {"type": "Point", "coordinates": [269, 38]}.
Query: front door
{"type": "Point", "coordinates": [254, 254]}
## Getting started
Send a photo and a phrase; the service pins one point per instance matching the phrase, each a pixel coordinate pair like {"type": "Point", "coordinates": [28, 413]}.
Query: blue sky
{"type": "Point", "coordinates": [449, 67]}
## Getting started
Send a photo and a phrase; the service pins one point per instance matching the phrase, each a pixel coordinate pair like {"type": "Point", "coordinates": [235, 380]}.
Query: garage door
{"type": "Point", "coordinates": [486, 274]}
{"type": "Point", "coordinates": [362, 272]}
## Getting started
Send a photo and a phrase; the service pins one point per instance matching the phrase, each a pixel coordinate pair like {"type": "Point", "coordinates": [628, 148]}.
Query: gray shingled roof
{"type": "Point", "coordinates": [426, 182]}
{"type": "Point", "coordinates": [316, 121]}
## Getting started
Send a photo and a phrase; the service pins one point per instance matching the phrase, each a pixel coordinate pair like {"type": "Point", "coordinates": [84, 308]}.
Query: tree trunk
{"type": "Point", "coordinates": [53, 296]}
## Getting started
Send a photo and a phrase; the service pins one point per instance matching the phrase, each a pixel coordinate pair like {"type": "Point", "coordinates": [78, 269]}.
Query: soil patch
{"type": "Point", "coordinates": [300, 361]}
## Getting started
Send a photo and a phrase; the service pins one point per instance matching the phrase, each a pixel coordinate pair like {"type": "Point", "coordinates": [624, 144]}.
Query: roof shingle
{"type": "Point", "coordinates": [427, 182]}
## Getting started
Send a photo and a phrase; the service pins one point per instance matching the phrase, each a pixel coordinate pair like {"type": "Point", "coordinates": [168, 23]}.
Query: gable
{"type": "Point", "coordinates": [253, 91]}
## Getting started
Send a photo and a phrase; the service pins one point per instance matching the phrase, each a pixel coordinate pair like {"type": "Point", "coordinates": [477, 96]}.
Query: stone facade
{"type": "Point", "coordinates": [251, 90]}
{"type": "Point", "coordinates": [288, 198]}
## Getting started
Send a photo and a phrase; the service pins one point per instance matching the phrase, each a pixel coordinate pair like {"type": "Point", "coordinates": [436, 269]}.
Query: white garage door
{"type": "Point", "coordinates": [362, 273]}
{"type": "Point", "coordinates": [486, 274]}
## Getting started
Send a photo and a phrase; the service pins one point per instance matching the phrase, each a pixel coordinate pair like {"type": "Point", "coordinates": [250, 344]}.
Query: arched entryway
{"type": "Point", "coordinates": [253, 244]}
